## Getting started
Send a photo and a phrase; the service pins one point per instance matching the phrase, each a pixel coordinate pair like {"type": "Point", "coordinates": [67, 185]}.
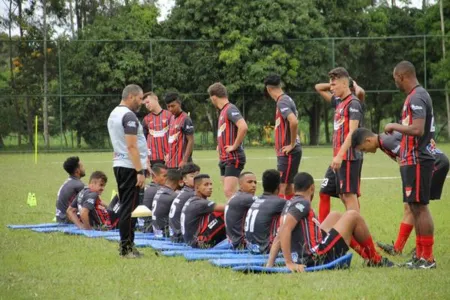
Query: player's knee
{"type": "Point", "coordinates": [335, 214]}
{"type": "Point", "coordinates": [418, 208]}
{"type": "Point", "coordinates": [353, 214]}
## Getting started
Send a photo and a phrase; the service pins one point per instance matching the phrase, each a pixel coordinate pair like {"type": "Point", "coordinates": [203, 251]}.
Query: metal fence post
{"type": "Point", "coordinates": [60, 94]}
{"type": "Point", "coordinates": [151, 66]}
{"type": "Point", "coordinates": [425, 61]}
{"type": "Point", "coordinates": [333, 54]}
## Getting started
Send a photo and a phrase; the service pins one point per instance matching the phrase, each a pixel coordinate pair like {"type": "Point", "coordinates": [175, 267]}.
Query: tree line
{"type": "Point", "coordinates": [75, 77]}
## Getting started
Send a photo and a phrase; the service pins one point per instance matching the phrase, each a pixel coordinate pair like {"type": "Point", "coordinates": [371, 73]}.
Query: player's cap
{"type": "Point", "coordinates": [141, 211]}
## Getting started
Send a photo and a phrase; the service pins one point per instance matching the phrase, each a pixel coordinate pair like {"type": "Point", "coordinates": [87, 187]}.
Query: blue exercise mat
{"type": "Point", "coordinates": [31, 226]}
{"type": "Point", "coordinates": [53, 229]}
{"type": "Point", "coordinates": [230, 263]}
{"type": "Point", "coordinates": [146, 236]}
{"type": "Point", "coordinates": [208, 251]}
{"type": "Point", "coordinates": [223, 245]}
{"type": "Point", "coordinates": [340, 263]}
{"type": "Point", "coordinates": [204, 256]}
{"type": "Point", "coordinates": [99, 234]}
{"type": "Point", "coordinates": [158, 245]}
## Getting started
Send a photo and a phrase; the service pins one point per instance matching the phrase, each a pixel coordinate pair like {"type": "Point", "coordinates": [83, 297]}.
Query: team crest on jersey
{"type": "Point", "coordinates": [405, 121]}
{"type": "Point", "coordinates": [221, 129]}
{"type": "Point", "coordinates": [164, 120]}
{"type": "Point", "coordinates": [173, 137]}
{"type": "Point", "coordinates": [338, 123]}
{"type": "Point", "coordinates": [408, 191]}
{"type": "Point", "coordinates": [277, 122]}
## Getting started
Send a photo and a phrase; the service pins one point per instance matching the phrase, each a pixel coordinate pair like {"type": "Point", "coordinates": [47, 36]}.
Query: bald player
{"type": "Point", "coordinates": [159, 174]}
{"type": "Point", "coordinates": [202, 222]}
{"type": "Point", "coordinates": [416, 162]}
{"type": "Point", "coordinates": [237, 207]}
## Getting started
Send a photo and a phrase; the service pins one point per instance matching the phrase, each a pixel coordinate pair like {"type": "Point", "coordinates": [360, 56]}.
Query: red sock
{"type": "Point", "coordinates": [426, 242]}
{"type": "Point", "coordinates": [358, 248]}
{"type": "Point", "coordinates": [282, 196]}
{"type": "Point", "coordinates": [418, 247]}
{"type": "Point", "coordinates": [369, 249]}
{"type": "Point", "coordinates": [288, 197]}
{"type": "Point", "coordinates": [403, 235]}
{"type": "Point", "coordinates": [324, 206]}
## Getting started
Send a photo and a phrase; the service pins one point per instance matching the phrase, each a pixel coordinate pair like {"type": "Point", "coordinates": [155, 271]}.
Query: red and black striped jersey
{"type": "Point", "coordinates": [227, 132]}
{"type": "Point", "coordinates": [418, 105]}
{"type": "Point", "coordinates": [156, 131]}
{"type": "Point", "coordinates": [345, 110]}
{"type": "Point", "coordinates": [307, 234]}
{"type": "Point", "coordinates": [180, 127]}
{"type": "Point", "coordinates": [285, 106]}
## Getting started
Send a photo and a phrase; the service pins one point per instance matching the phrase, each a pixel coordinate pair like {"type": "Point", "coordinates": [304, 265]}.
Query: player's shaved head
{"type": "Point", "coordinates": [271, 180]}
{"type": "Point", "coordinates": [247, 182]}
{"type": "Point", "coordinates": [243, 174]}
{"type": "Point", "coordinates": [131, 90]}
{"type": "Point", "coordinates": [303, 181]}
{"type": "Point", "coordinates": [405, 68]}
{"type": "Point", "coordinates": [199, 179]}
{"type": "Point", "coordinates": [203, 186]}
{"type": "Point", "coordinates": [158, 168]}
{"type": "Point", "coordinates": [360, 135]}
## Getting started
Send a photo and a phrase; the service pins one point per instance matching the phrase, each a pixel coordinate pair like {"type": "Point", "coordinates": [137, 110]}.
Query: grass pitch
{"type": "Point", "coordinates": [57, 266]}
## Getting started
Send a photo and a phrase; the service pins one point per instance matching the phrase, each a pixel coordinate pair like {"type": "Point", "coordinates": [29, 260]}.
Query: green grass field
{"type": "Point", "coordinates": [57, 266]}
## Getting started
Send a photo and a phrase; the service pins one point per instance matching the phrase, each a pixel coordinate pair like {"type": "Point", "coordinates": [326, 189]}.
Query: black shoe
{"type": "Point", "coordinates": [410, 262]}
{"type": "Point", "coordinates": [384, 262]}
{"type": "Point", "coordinates": [388, 248]}
{"type": "Point", "coordinates": [422, 263]}
{"type": "Point", "coordinates": [136, 252]}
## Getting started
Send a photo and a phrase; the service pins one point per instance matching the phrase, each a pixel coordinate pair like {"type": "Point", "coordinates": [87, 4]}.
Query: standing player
{"type": "Point", "coordinates": [230, 135]}
{"type": "Point", "coordinates": [70, 188]}
{"type": "Point", "coordinates": [287, 141]}
{"type": "Point", "coordinates": [416, 162]}
{"type": "Point", "coordinates": [202, 223]}
{"type": "Point", "coordinates": [181, 134]}
{"type": "Point", "coordinates": [237, 208]}
{"type": "Point", "coordinates": [330, 186]}
{"type": "Point", "coordinates": [188, 172]}
{"type": "Point", "coordinates": [263, 217]}
{"type": "Point", "coordinates": [345, 168]}
{"type": "Point", "coordinates": [305, 242]}
{"type": "Point", "coordinates": [366, 141]}
{"type": "Point", "coordinates": [129, 162]}
{"type": "Point", "coordinates": [162, 202]}
{"type": "Point", "coordinates": [156, 129]}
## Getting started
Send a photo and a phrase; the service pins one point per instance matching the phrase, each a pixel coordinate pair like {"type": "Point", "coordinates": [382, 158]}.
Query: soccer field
{"type": "Point", "coordinates": [58, 266]}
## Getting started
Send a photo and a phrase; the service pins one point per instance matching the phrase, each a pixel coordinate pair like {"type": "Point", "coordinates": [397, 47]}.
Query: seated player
{"type": "Point", "coordinates": [92, 210]}
{"type": "Point", "coordinates": [70, 188]}
{"type": "Point", "coordinates": [367, 141]}
{"type": "Point", "coordinates": [262, 220]}
{"type": "Point", "coordinates": [237, 207]}
{"type": "Point", "coordinates": [202, 222]}
{"type": "Point", "coordinates": [162, 202]}
{"type": "Point", "coordinates": [159, 175]}
{"type": "Point", "coordinates": [188, 172]}
{"type": "Point", "coordinates": [306, 243]}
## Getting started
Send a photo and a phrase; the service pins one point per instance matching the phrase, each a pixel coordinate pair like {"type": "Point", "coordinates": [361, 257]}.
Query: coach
{"type": "Point", "coordinates": [129, 163]}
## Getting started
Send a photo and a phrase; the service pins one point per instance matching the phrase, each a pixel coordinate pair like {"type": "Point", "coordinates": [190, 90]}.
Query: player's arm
{"type": "Point", "coordinates": [324, 91]}
{"type": "Point", "coordinates": [130, 125]}
{"type": "Point", "coordinates": [71, 213]}
{"type": "Point", "coordinates": [285, 241]}
{"type": "Point", "coordinates": [219, 207]}
{"type": "Point", "coordinates": [242, 131]}
{"type": "Point", "coordinates": [293, 126]}
{"type": "Point", "coordinates": [337, 161]}
{"type": "Point", "coordinates": [417, 128]}
{"type": "Point", "coordinates": [274, 250]}
{"type": "Point", "coordinates": [189, 132]}
{"type": "Point", "coordinates": [359, 92]}
{"type": "Point", "coordinates": [84, 216]}
{"type": "Point", "coordinates": [145, 127]}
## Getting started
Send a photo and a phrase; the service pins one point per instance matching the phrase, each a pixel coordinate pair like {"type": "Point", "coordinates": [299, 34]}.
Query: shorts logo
{"type": "Point", "coordinates": [408, 191]}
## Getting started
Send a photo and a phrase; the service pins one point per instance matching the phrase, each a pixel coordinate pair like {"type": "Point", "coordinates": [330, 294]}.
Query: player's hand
{"type": "Point", "coordinates": [230, 148]}
{"type": "Point", "coordinates": [287, 149]}
{"type": "Point", "coordinates": [140, 181]}
{"type": "Point", "coordinates": [389, 128]}
{"type": "Point", "coordinates": [336, 162]}
{"type": "Point", "coordinates": [296, 268]}
{"type": "Point", "coordinates": [166, 157]}
{"type": "Point", "coordinates": [217, 148]}
{"type": "Point", "coordinates": [182, 163]}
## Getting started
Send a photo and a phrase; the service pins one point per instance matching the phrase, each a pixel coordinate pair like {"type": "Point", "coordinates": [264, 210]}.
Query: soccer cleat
{"type": "Point", "coordinates": [384, 262]}
{"type": "Point", "coordinates": [410, 262]}
{"type": "Point", "coordinates": [130, 255]}
{"type": "Point", "coordinates": [388, 248]}
{"type": "Point", "coordinates": [422, 263]}
{"type": "Point", "coordinates": [136, 252]}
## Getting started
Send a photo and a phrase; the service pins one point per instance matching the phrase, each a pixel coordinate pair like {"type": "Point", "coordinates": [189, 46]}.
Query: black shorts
{"type": "Point", "coordinates": [158, 161]}
{"type": "Point", "coordinates": [440, 171]}
{"type": "Point", "coordinates": [211, 231]}
{"type": "Point", "coordinates": [231, 167]}
{"type": "Point", "coordinates": [288, 166]}
{"type": "Point", "coordinates": [349, 177]}
{"type": "Point", "coordinates": [416, 182]}
{"type": "Point", "coordinates": [330, 248]}
{"type": "Point", "coordinates": [330, 185]}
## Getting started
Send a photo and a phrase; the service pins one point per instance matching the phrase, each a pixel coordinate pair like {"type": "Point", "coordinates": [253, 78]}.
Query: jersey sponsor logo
{"type": "Point", "coordinates": [212, 224]}
{"type": "Point", "coordinates": [338, 122]}
{"type": "Point", "coordinates": [284, 109]}
{"type": "Point", "coordinates": [159, 133]}
{"type": "Point", "coordinates": [90, 200]}
{"type": "Point", "coordinates": [408, 191]}
{"type": "Point", "coordinates": [300, 207]}
{"type": "Point", "coordinates": [396, 149]}
{"type": "Point", "coordinates": [173, 138]}
{"type": "Point", "coordinates": [416, 107]}
{"type": "Point", "coordinates": [353, 110]}
{"type": "Point", "coordinates": [189, 127]}
{"type": "Point", "coordinates": [210, 203]}
{"type": "Point", "coordinates": [131, 124]}
{"type": "Point", "coordinates": [221, 129]}
{"type": "Point", "coordinates": [234, 113]}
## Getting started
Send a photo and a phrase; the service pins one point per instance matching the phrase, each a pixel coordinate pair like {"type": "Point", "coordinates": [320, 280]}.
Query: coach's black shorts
{"type": "Point", "coordinates": [232, 167]}
{"type": "Point", "coordinates": [330, 248]}
{"type": "Point", "coordinates": [349, 177]}
{"type": "Point", "coordinates": [416, 182]}
{"type": "Point", "coordinates": [330, 184]}
{"type": "Point", "coordinates": [288, 166]}
{"type": "Point", "coordinates": [440, 171]}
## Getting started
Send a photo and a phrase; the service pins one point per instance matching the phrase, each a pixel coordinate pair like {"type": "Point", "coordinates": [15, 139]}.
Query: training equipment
{"type": "Point", "coordinates": [340, 263]}
{"type": "Point", "coordinates": [44, 225]}
{"type": "Point", "coordinates": [230, 263]}
{"type": "Point", "coordinates": [205, 256]}
{"type": "Point", "coordinates": [141, 211]}
{"type": "Point", "coordinates": [157, 245]}
{"type": "Point", "coordinates": [202, 251]}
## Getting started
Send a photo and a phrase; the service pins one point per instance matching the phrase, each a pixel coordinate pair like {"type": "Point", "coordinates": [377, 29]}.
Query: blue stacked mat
{"type": "Point", "coordinates": [33, 226]}
{"type": "Point", "coordinates": [236, 262]}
